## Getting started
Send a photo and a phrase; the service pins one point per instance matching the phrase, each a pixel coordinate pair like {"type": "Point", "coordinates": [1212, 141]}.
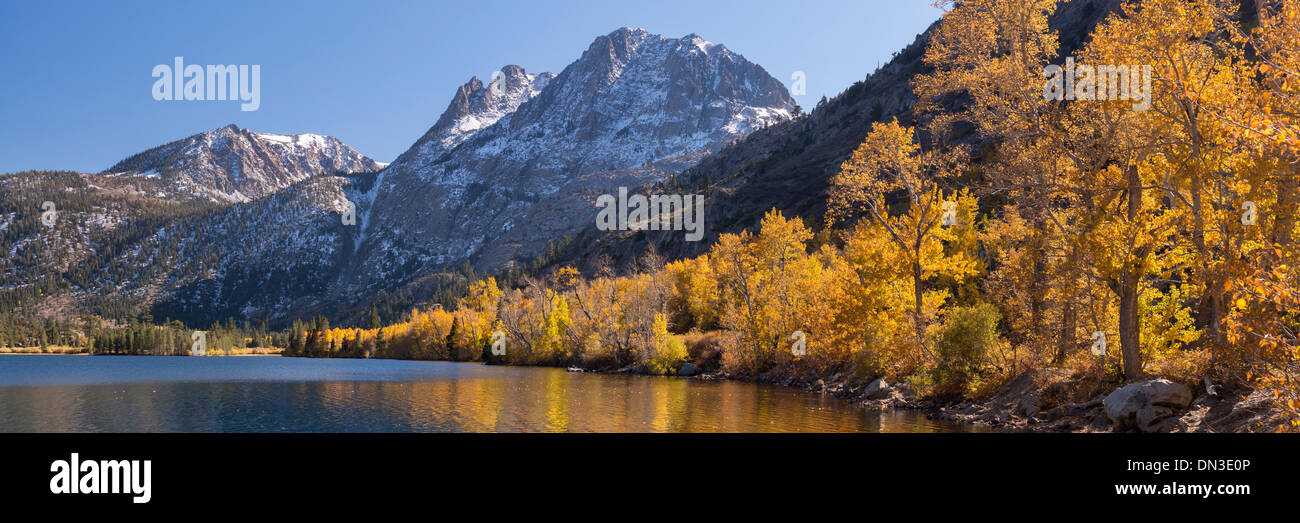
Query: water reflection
{"type": "Point", "coordinates": [238, 396]}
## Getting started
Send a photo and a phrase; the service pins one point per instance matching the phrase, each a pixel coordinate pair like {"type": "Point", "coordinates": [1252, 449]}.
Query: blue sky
{"type": "Point", "coordinates": [76, 92]}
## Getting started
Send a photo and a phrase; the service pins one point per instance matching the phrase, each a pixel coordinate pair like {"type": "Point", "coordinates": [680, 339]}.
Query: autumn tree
{"type": "Point", "coordinates": [1188, 153]}
{"type": "Point", "coordinates": [889, 161]}
{"type": "Point", "coordinates": [987, 59]}
{"type": "Point", "coordinates": [768, 285]}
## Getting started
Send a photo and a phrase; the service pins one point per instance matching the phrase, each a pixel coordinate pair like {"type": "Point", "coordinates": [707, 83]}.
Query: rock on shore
{"type": "Point", "coordinates": [1148, 406]}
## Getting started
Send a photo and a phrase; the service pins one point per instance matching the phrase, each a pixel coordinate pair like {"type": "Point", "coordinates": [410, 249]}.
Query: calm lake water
{"type": "Point", "coordinates": [275, 394]}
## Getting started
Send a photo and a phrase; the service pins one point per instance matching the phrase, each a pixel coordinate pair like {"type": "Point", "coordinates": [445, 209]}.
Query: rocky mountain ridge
{"type": "Point", "coordinates": [233, 165]}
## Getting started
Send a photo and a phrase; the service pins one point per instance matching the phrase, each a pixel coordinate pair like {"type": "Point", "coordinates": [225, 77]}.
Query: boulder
{"type": "Point", "coordinates": [1144, 405]}
{"type": "Point", "coordinates": [877, 389]}
{"type": "Point", "coordinates": [688, 369]}
{"type": "Point", "coordinates": [1029, 405]}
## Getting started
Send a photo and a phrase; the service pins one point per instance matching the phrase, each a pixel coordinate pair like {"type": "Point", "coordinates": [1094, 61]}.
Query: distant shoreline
{"type": "Point", "coordinates": [5, 353]}
{"type": "Point", "coordinates": [76, 351]}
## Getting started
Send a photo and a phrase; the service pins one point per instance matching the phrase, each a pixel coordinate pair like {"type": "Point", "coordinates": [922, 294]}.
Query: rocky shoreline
{"type": "Point", "coordinates": [1041, 401]}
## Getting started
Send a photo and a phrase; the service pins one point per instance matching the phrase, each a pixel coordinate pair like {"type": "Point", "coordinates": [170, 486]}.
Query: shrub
{"type": "Point", "coordinates": [704, 349]}
{"type": "Point", "coordinates": [736, 359]}
{"type": "Point", "coordinates": [597, 356]}
{"type": "Point", "coordinates": [669, 350]}
{"type": "Point", "coordinates": [669, 358]}
{"type": "Point", "coordinates": [968, 336]}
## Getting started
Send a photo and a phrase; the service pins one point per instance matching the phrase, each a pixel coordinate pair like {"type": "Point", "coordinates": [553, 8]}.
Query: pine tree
{"type": "Point", "coordinates": [453, 352]}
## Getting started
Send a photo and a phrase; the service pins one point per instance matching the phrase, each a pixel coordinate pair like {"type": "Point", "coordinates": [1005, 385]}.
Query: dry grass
{"type": "Point", "coordinates": [52, 349]}
{"type": "Point", "coordinates": [242, 351]}
{"type": "Point", "coordinates": [704, 349]}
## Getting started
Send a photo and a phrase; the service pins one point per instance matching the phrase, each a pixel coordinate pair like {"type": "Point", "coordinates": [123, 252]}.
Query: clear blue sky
{"type": "Point", "coordinates": [75, 92]}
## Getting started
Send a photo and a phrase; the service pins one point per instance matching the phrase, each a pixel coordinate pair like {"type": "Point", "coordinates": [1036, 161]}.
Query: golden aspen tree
{"type": "Point", "coordinates": [1108, 216]}
{"type": "Point", "coordinates": [1276, 41]}
{"type": "Point", "coordinates": [1264, 118]}
{"type": "Point", "coordinates": [988, 58]}
{"type": "Point", "coordinates": [871, 303]}
{"type": "Point", "coordinates": [483, 299]}
{"type": "Point", "coordinates": [1277, 44]}
{"type": "Point", "coordinates": [520, 320]}
{"type": "Point", "coordinates": [424, 334]}
{"type": "Point", "coordinates": [1011, 281]}
{"type": "Point", "coordinates": [1265, 320]}
{"type": "Point", "coordinates": [890, 161]}
{"type": "Point", "coordinates": [1194, 69]}
{"type": "Point", "coordinates": [668, 351]}
{"type": "Point", "coordinates": [768, 282]}
{"type": "Point", "coordinates": [553, 345]}
{"type": "Point", "coordinates": [695, 292]}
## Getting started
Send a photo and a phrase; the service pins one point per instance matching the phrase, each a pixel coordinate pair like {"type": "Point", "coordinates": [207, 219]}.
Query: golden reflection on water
{"type": "Point", "coordinates": [551, 400]}
{"type": "Point", "coordinates": [444, 398]}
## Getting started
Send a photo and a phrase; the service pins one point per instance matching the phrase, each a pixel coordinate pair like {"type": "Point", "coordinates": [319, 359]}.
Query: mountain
{"type": "Point", "coordinates": [507, 169]}
{"type": "Point", "coordinates": [788, 166]}
{"type": "Point", "coordinates": [122, 244]}
{"type": "Point", "coordinates": [155, 230]}
{"type": "Point", "coordinates": [232, 223]}
{"type": "Point", "coordinates": [268, 258]}
{"type": "Point", "coordinates": [477, 106]}
{"type": "Point", "coordinates": [230, 164]}
{"type": "Point", "coordinates": [49, 265]}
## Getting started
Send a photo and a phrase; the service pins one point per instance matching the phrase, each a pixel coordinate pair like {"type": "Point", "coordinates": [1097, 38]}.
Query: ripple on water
{"type": "Point", "coordinates": [275, 394]}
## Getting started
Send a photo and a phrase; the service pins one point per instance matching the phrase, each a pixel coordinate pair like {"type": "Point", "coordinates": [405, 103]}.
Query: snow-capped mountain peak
{"type": "Point", "coordinates": [477, 106]}
{"type": "Point", "coordinates": [502, 170]}
{"type": "Point", "coordinates": [229, 164]}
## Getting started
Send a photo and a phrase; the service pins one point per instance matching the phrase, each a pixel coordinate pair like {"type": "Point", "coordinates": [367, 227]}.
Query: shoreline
{"type": "Point", "coordinates": [70, 351]}
{"type": "Point", "coordinates": [1030, 403]}
{"type": "Point", "coordinates": [1033, 402]}
{"type": "Point", "coordinates": [46, 354]}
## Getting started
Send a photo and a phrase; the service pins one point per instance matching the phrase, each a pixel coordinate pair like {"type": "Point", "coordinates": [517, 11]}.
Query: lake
{"type": "Point", "coordinates": [48, 393]}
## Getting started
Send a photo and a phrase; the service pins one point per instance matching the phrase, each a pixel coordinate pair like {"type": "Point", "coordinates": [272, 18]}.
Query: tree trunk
{"type": "Point", "coordinates": [1065, 338]}
{"type": "Point", "coordinates": [1216, 312]}
{"type": "Point", "coordinates": [1129, 327]}
{"type": "Point", "coordinates": [1288, 199]}
{"type": "Point", "coordinates": [1038, 329]}
{"type": "Point", "coordinates": [918, 296]}
{"type": "Point", "coordinates": [1129, 321]}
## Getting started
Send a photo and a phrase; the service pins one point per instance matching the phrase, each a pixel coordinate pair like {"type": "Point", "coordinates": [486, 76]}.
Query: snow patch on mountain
{"type": "Point", "coordinates": [505, 153]}
{"type": "Point", "coordinates": [230, 165]}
